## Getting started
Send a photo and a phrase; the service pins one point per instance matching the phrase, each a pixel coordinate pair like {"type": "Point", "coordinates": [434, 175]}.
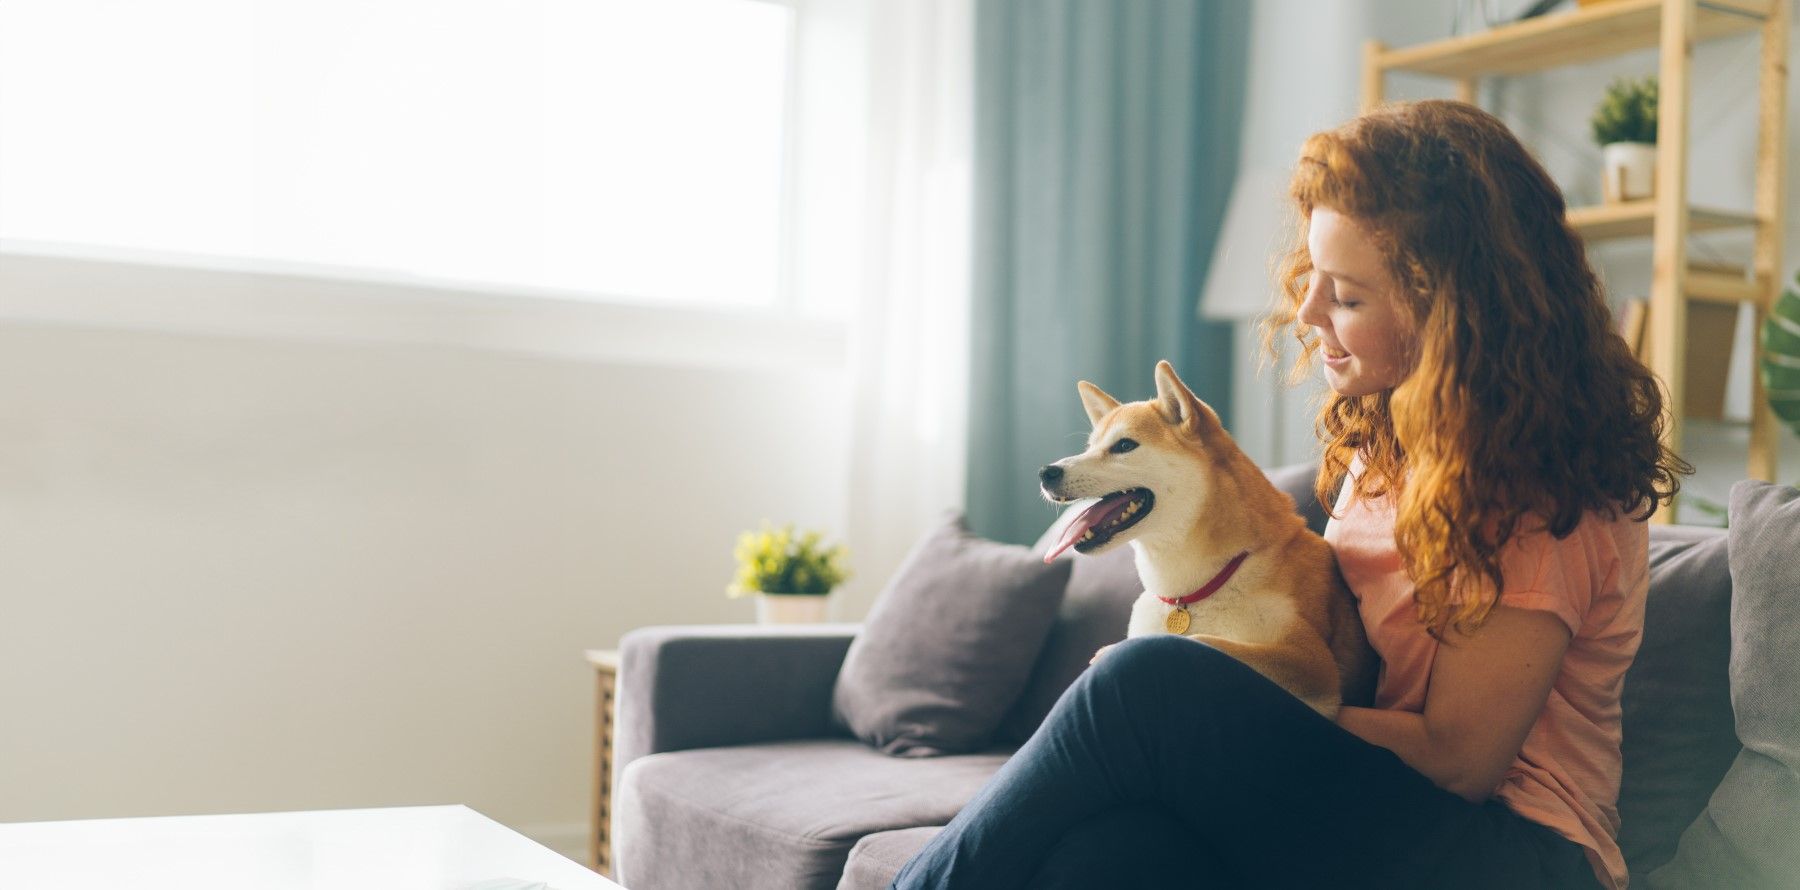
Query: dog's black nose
{"type": "Point", "coordinates": [1050, 473]}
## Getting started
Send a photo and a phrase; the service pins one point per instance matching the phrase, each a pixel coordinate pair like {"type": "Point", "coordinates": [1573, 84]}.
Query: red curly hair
{"type": "Point", "coordinates": [1523, 409]}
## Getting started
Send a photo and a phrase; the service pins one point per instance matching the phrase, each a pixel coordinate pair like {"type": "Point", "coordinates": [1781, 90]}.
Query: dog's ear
{"type": "Point", "coordinates": [1096, 401]}
{"type": "Point", "coordinates": [1178, 404]}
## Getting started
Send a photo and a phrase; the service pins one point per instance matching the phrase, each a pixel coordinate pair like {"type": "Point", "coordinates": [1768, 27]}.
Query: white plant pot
{"type": "Point", "coordinates": [1629, 171]}
{"type": "Point", "coordinates": [791, 608]}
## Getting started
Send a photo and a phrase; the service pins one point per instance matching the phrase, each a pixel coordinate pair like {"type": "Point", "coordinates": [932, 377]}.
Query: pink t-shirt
{"type": "Point", "coordinates": [1567, 775]}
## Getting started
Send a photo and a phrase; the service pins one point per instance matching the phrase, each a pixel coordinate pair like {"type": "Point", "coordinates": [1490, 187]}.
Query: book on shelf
{"type": "Point", "coordinates": [1631, 317]}
{"type": "Point", "coordinates": [1711, 334]}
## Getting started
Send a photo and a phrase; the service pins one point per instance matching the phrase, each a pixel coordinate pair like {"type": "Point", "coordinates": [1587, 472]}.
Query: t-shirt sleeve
{"type": "Point", "coordinates": [1549, 575]}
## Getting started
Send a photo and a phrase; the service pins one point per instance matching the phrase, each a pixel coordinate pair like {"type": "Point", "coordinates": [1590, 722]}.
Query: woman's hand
{"type": "Point", "coordinates": [1101, 651]}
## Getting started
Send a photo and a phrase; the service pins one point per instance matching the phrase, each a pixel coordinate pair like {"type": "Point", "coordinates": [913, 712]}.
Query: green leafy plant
{"type": "Point", "coordinates": [1780, 378]}
{"type": "Point", "coordinates": [1717, 512]}
{"type": "Point", "coordinates": [1781, 358]}
{"type": "Point", "coordinates": [778, 560]}
{"type": "Point", "coordinates": [1627, 113]}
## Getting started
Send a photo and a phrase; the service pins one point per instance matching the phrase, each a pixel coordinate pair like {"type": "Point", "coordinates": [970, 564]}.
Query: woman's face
{"type": "Point", "coordinates": [1350, 302]}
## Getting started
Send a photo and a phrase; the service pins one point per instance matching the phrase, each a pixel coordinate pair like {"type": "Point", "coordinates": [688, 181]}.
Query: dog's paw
{"type": "Point", "coordinates": [1101, 651]}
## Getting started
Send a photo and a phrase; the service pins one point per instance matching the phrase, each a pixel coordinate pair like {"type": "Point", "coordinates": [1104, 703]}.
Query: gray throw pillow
{"type": "Point", "coordinates": [948, 644]}
{"type": "Point", "coordinates": [1678, 736]}
{"type": "Point", "coordinates": [1749, 834]}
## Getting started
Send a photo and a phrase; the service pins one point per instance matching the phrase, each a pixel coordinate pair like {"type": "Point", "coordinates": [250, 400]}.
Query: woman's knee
{"type": "Point", "coordinates": [1169, 667]}
{"type": "Point", "coordinates": [1159, 655]}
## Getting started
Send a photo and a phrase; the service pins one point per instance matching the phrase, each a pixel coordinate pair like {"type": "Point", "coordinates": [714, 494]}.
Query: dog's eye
{"type": "Point", "coordinates": [1122, 446]}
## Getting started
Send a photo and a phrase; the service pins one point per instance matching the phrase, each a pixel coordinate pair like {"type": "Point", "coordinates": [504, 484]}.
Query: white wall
{"type": "Point", "coordinates": [1304, 80]}
{"type": "Point", "coordinates": [245, 572]}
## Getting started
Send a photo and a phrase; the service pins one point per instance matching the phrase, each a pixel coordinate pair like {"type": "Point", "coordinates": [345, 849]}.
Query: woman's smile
{"type": "Point", "coordinates": [1350, 299]}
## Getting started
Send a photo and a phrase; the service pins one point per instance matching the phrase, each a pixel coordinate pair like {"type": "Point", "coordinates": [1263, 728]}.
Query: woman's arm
{"type": "Point", "coordinates": [1485, 692]}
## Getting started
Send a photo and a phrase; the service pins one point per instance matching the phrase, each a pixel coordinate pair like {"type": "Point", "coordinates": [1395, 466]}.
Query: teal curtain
{"type": "Point", "coordinates": [1106, 137]}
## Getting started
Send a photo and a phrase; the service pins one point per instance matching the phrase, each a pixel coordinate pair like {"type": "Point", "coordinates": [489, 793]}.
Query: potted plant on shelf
{"type": "Point", "coordinates": [1625, 129]}
{"type": "Point", "coordinates": [792, 575]}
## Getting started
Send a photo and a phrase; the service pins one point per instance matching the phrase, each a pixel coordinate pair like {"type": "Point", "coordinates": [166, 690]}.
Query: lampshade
{"type": "Point", "coordinates": [1239, 283]}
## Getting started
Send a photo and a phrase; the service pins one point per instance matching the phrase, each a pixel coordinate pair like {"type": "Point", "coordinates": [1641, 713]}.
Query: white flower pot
{"type": "Point", "coordinates": [1629, 171]}
{"type": "Point", "coordinates": [791, 608]}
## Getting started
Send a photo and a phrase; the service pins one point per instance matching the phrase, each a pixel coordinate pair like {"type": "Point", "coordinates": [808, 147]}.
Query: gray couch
{"type": "Point", "coordinates": [732, 773]}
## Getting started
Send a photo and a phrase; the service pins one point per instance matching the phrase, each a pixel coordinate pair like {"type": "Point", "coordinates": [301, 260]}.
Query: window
{"type": "Point", "coordinates": [619, 149]}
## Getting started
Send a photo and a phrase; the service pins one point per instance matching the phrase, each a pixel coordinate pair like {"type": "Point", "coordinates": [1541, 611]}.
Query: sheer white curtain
{"type": "Point", "coordinates": [908, 344]}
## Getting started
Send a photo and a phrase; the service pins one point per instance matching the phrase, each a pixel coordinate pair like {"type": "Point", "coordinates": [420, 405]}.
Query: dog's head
{"type": "Point", "coordinates": [1146, 467]}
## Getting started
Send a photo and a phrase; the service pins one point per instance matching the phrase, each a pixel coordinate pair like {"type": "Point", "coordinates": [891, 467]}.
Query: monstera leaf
{"type": "Point", "coordinates": [1781, 358]}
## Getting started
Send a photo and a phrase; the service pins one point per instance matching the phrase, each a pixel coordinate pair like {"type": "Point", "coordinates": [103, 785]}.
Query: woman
{"type": "Point", "coordinates": [1501, 450]}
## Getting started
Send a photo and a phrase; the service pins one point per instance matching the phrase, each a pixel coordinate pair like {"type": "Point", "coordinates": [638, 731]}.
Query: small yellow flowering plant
{"type": "Point", "coordinates": [776, 560]}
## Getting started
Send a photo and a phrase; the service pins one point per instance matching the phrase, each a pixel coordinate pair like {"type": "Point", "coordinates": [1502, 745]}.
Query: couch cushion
{"type": "Point", "coordinates": [948, 645]}
{"type": "Point", "coordinates": [877, 858]}
{"type": "Point", "coordinates": [1749, 834]}
{"type": "Point", "coordinates": [794, 809]}
{"type": "Point", "coordinates": [1297, 481]}
{"type": "Point", "coordinates": [1098, 605]}
{"type": "Point", "coordinates": [1678, 738]}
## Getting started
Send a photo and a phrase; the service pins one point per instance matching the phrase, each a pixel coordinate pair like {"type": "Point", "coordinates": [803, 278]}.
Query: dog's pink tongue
{"type": "Point", "coordinates": [1084, 519]}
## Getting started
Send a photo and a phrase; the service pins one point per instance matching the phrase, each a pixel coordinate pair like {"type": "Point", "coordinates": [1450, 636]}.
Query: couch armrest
{"type": "Point", "coordinates": [702, 686]}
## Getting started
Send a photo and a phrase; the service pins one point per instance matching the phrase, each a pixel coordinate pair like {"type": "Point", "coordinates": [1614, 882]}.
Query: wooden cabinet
{"type": "Point", "coordinates": [606, 685]}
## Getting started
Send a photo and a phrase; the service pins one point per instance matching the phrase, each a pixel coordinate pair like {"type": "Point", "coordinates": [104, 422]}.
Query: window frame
{"type": "Point", "coordinates": [124, 288]}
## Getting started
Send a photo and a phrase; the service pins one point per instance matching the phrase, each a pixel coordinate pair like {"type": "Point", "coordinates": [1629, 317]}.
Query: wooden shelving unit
{"type": "Point", "coordinates": [1627, 219]}
{"type": "Point", "coordinates": [1584, 34]}
{"type": "Point", "coordinates": [1606, 29]}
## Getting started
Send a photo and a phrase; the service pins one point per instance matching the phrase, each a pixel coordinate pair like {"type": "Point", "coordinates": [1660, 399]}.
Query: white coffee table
{"type": "Point", "coordinates": [430, 848]}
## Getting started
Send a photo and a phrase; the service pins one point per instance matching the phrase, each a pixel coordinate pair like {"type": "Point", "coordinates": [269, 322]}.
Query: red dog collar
{"type": "Point", "coordinates": [1212, 586]}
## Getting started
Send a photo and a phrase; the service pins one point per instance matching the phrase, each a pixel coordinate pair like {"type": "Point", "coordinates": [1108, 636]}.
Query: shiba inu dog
{"type": "Point", "coordinates": [1222, 554]}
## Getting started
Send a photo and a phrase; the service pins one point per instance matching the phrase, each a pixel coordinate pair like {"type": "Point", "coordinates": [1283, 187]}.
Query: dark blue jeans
{"type": "Point", "coordinates": [1171, 764]}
